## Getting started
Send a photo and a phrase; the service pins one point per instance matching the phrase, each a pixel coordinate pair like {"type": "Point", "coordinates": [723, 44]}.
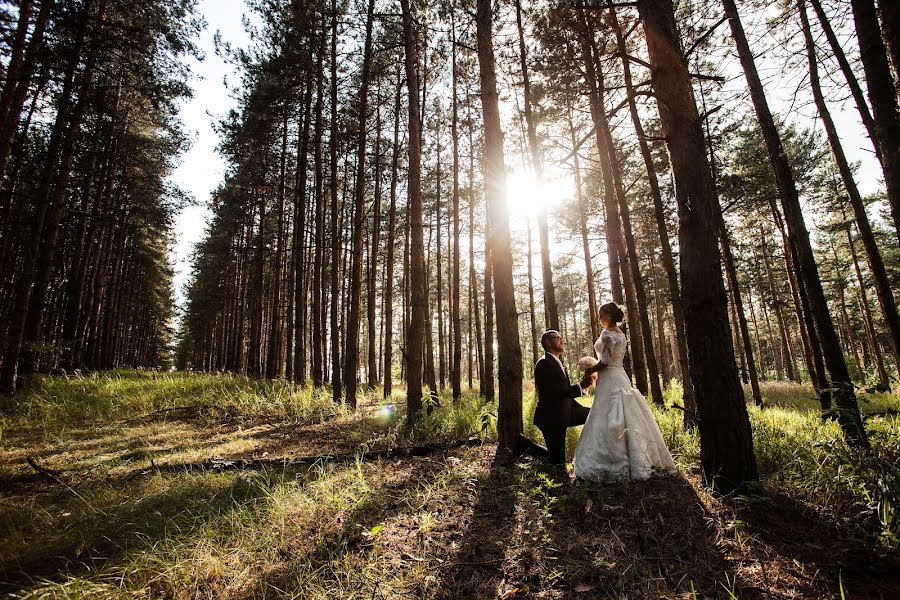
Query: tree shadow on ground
{"type": "Point", "coordinates": [806, 550]}
{"type": "Point", "coordinates": [346, 542]}
{"type": "Point", "coordinates": [490, 545]}
{"type": "Point", "coordinates": [74, 532]}
{"type": "Point", "coordinates": [638, 539]}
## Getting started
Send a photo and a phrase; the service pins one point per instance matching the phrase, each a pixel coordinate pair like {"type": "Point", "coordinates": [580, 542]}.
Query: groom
{"type": "Point", "coordinates": [557, 409]}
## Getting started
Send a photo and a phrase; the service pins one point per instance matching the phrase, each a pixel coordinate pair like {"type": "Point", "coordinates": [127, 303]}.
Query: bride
{"type": "Point", "coordinates": [621, 437]}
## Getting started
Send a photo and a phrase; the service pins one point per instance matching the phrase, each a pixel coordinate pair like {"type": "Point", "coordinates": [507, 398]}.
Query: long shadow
{"type": "Point", "coordinates": [639, 539]}
{"type": "Point", "coordinates": [811, 546]}
{"type": "Point", "coordinates": [488, 545]}
{"type": "Point", "coordinates": [351, 540]}
{"type": "Point", "coordinates": [83, 540]}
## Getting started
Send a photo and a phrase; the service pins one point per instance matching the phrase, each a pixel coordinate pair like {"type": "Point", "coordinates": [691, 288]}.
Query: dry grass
{"type": "Point", "coordinates": [454, 524]}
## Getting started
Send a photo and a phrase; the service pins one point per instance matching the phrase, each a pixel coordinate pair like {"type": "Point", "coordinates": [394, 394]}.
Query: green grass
{"type": "Point", "coordinates": [55, 403]}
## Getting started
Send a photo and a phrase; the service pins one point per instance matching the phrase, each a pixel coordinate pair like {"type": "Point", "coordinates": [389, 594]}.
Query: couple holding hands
{"type": "Point", "coordinates": [620, 438]}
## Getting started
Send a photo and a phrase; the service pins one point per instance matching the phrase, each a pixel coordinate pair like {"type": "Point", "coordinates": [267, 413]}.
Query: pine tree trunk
{"type": "Point", "coordinates": [659, 212]}
{"type": "Point", "coordinates": [531, 312]}
{"type": "Point", "coordinates": [509, 410]}
{"type": "Point", "coordinates": [473, 279]}
{"type": "Point", "coordinates": [726, 442]}
{"type": "Point", "coordinates": [318, 299]}
{"type": "Point", "coordinates": [388, 302]}
{"type": "Point", "coordinates": [439, 290]}
{"type": "Point", "coordinates": [372, 379]}
{"type": "Point", "coordinates": [417, 275]}
{"type": "Point", "coordinates": [883, 96]}
{"type": "Point", "coordinates": [336, 383]}
{"type": "Point", "coordinates": [456, 360]}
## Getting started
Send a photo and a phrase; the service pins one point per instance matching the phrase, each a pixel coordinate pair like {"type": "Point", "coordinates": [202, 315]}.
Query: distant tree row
{"type": "Point", "coordinates": [88, 135]}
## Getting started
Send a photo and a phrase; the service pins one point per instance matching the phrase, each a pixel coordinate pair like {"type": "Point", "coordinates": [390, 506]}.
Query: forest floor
{"type": "Point", "coordinates": [197, 486]}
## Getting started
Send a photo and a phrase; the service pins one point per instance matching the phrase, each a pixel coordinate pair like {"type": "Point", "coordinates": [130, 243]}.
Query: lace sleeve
{"type": "Point", "coordinates": [604, 348]}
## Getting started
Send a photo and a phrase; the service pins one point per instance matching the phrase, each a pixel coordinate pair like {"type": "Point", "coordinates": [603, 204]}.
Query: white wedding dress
{"type": "Point", "coordinates": [620, 438]}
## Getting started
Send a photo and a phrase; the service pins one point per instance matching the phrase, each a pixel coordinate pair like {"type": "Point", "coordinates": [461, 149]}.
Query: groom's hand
{"type": "Point", "coordinates": [586, 382]}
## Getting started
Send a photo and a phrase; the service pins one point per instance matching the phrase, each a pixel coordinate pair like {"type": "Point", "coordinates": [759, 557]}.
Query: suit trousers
{"type": "Point", "coordinates": [555, 434]}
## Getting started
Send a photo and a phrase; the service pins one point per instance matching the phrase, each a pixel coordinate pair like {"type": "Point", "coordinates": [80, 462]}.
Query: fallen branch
{"type": "Point", "coordinates": [284, 463]}
{"type": "Point", "coordinates": [51, 474]}
{"type": "Point", "coordinates": [56, 477]}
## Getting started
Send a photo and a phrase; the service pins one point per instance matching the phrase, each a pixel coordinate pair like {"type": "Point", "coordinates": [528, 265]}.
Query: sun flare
{"type": "Point", "coordinates": [526, 194]}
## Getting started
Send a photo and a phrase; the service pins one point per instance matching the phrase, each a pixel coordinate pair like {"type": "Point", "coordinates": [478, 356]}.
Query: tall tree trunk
{"type": "Point", "coordinates": [509, 410]}
{"type": "Point", "coordinates": [532, 316]}
{"type": "Point", "coordinates": [726, 442]}
{"type": "Point", "coordinates": [318, 299]}
{"type": "Point", "coordinates": [883, 96]}
{"type": "Point", "coordinates": [456, 360]}
{"type": "Point", "coordinates": [351, 352]}
{"type": "Point", "coordinates": [844, 396]}
{"type": "Point", "coordinates": [336, 383]}
{"type": "Point", "coordinates": [417, 275]}
{"type": "Point", "coordinates": [480, 347]}
{"type": "Point", "coordinates": [659, 213]}
{"type": "Point", "coordinates": [439, 290]}
{"type": "Point", "coordinates": [372, 369]}
{"type": "Point", "coordinates": [388, 303]}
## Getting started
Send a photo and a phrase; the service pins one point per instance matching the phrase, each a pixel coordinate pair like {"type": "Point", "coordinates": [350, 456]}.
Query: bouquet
{"type": "Point", "coordinates": [586, 362]}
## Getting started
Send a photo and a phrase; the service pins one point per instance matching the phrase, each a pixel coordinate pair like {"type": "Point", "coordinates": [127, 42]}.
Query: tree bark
{"type": "Point", "coordinates": [883, 97]}
{"type": "Point", "coordinates": [509, 410]}
{"type": "Point", "coordinates": [456, 360]}
{"type": "Point", "coordinates": [417, 274]}
{"type": "Point", "coordinates": [659, 212]}
{"type": "Point", "coordinates": [336, 383]}
{"type": "Point", "coordinates": [388, 303]}
{"type": "Point", "coordinates": [726, 442]}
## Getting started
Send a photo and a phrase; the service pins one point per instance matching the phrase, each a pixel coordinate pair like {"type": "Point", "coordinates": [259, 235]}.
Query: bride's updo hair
{"type": "Point", "coordinates": [613, 310]}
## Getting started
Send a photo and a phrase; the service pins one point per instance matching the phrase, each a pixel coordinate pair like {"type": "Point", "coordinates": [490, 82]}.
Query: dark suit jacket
{"type": "Point", "coordinates": [556, 394]}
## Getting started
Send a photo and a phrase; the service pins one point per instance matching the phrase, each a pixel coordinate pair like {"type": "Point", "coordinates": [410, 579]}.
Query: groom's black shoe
{"type": "Point", "coordinates": [526, 446]}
